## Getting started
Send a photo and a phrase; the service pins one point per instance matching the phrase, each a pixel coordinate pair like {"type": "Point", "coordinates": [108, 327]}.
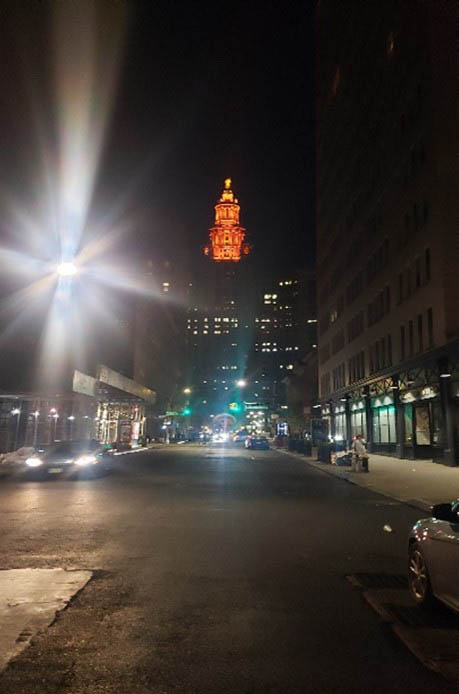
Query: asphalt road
{"type": "Point", "coordinates": [215, 571]}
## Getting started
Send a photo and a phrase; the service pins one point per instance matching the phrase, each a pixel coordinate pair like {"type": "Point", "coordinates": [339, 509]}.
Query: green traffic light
{"type": "Point", "coordinates": [234, 407]}
{"type": "Point", "coordinates": [186, 411]}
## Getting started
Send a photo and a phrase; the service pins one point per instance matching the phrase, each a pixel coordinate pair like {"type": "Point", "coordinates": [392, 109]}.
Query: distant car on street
{"type": "Point", "coordinates": [69, 459]}
{"type": "Point", "coordinates": [257, 442]}
{"type": "Point", "coordinates": [220, 437]}
{"type": "Point", "coordinates": [240, 436]}
{"type": "Point", "coordinates": [433, 557]}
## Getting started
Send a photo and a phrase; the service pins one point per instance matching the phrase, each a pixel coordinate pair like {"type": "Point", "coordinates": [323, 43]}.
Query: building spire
{"type": "Point", "coordinates": [227, 236]}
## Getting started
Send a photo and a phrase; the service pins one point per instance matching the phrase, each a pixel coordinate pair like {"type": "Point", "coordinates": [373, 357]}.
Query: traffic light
{"type": "Point", "coordinates": [186, 411]}
{"type": "Point", "coordinates": [234, 407]}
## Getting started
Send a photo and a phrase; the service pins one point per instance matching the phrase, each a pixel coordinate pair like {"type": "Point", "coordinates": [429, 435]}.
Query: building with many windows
{"type": "Point", "coordinates": [285, 332]}
{"type": "Point", "coordinates": [387, 224]}
{"type": "Point", "coordinates": [220, 314]}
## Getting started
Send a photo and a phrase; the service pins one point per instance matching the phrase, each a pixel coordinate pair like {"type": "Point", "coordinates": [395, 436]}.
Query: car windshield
{"type": "Point", "coordinates": [71, 448]}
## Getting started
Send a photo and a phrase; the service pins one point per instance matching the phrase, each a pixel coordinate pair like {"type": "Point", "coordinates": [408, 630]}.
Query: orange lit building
{"type": "Point", "coordinates": [227, 236]}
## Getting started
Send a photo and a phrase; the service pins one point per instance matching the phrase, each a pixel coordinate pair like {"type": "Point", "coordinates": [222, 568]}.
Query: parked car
{"type": "Point", "coordinates": [70, 459]}
{"type": "Point", "coordinates": [433, 557]}
{"type": "Point", "coordinates": [257, 442]}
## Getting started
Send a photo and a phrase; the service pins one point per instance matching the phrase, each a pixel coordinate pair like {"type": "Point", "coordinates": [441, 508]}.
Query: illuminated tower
{"type": "Point", "coordinates": [227, 236]}
{"type": "Point", "coordinates": [220, 316]}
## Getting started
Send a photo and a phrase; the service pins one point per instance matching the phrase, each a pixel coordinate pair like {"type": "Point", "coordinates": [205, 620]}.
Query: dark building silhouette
{"type": "Point", "coordinates": [387, 224]}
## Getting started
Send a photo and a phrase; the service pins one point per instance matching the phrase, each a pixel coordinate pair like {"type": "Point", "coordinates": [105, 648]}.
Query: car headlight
{"type": "Point", "coordinates": [34, 462]}
{"type": "Point", "coordinates": [86, 460]}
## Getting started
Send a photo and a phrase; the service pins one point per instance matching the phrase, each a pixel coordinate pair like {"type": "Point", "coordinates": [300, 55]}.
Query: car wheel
{"type": "Point", "coordinates": [419, 583]}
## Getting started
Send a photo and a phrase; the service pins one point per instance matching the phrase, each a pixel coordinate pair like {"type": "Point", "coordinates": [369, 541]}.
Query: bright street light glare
{"type": "Point", "coordinates": [241, 383]}
{"type": "Point", "coordinates": [187, 391]}
{"type": "Point", "coordinates": [67, 269]}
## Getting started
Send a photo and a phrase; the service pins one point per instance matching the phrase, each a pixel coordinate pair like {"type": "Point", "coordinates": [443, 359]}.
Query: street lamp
{"type": "Point", "coordinates": [35, 426]}
{"type": "Point", "coordinates": [241, 383]}
{"type": "Point", "coordinates": [187, 391]}
{"type": "Point", "coordinates": [67, 269]}
{"type": "Point", "coordinates": [16, 411]}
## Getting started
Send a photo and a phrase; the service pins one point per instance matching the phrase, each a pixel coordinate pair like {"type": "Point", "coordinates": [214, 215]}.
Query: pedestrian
{"type": "Point", "coordinates": [360, 455]}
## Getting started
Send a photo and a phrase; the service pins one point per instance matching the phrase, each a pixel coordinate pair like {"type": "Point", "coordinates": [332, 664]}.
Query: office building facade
{"type": "Point", "coordinates": [387, 225]}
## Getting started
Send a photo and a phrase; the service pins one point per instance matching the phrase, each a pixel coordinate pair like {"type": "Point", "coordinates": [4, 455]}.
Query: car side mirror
{"type": "Point", "coordinates": [445, 512]}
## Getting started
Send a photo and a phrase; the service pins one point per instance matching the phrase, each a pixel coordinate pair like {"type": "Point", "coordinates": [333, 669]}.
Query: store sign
{"type": "Point", "coordinates": [127, 385]}
{"type": "Point", "coordinates": [84, 384]}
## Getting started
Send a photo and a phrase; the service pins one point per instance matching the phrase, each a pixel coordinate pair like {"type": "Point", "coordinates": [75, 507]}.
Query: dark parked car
{"type": "Point", "coordinates": [257, 442]}
{"type": "Point", "coordinates": [70, 459]}
{"type": "Point", "coordinates": [433, 557]}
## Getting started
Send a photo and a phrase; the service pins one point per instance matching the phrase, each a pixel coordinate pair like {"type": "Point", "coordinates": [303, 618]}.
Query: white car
{"type": "Point", "coordinates": [433, 557]}
{"type": "Point", "coordinates": [220, 437]}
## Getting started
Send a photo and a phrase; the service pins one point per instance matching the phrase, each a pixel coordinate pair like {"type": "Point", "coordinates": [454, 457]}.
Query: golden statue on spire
{"type": "Point", "coordinates": [228, 183]}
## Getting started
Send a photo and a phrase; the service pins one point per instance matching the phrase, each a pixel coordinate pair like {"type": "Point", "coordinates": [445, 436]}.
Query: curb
{"type": "Point", "coordinates": [414, 503]}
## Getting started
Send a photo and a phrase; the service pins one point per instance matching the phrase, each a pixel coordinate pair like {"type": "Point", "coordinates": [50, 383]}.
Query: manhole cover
{"type": "Point", "coordinates": [368, 580]}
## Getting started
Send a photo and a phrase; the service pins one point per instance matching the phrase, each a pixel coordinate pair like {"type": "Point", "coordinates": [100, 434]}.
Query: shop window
{"type": "Point", "coordinates": [340, 425]}
{"type": "Point", "coordinates": [422, 425]}
{"type": "Point", "coordinates": [437, 428]}
{"type": "Point", "coordinates": [384, 428]}
{"type": "Point", "coordinates": [408, 416]}
{"type": "Point", "coordinates": [430, 327]}
{"type": "Point", "coordinates": [376, 437]}
{"type": "Point", "coordinates": [358, 423]}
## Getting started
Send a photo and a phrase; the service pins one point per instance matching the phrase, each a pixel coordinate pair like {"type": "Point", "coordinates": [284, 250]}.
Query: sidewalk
{"type": "Point", "coordinates": [419, 483]}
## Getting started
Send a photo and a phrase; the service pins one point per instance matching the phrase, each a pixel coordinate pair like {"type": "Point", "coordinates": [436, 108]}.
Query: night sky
{"type": "Point", "coordinates": [204, 91]}
{"type": "Point", "coordinates": [210, 90]}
